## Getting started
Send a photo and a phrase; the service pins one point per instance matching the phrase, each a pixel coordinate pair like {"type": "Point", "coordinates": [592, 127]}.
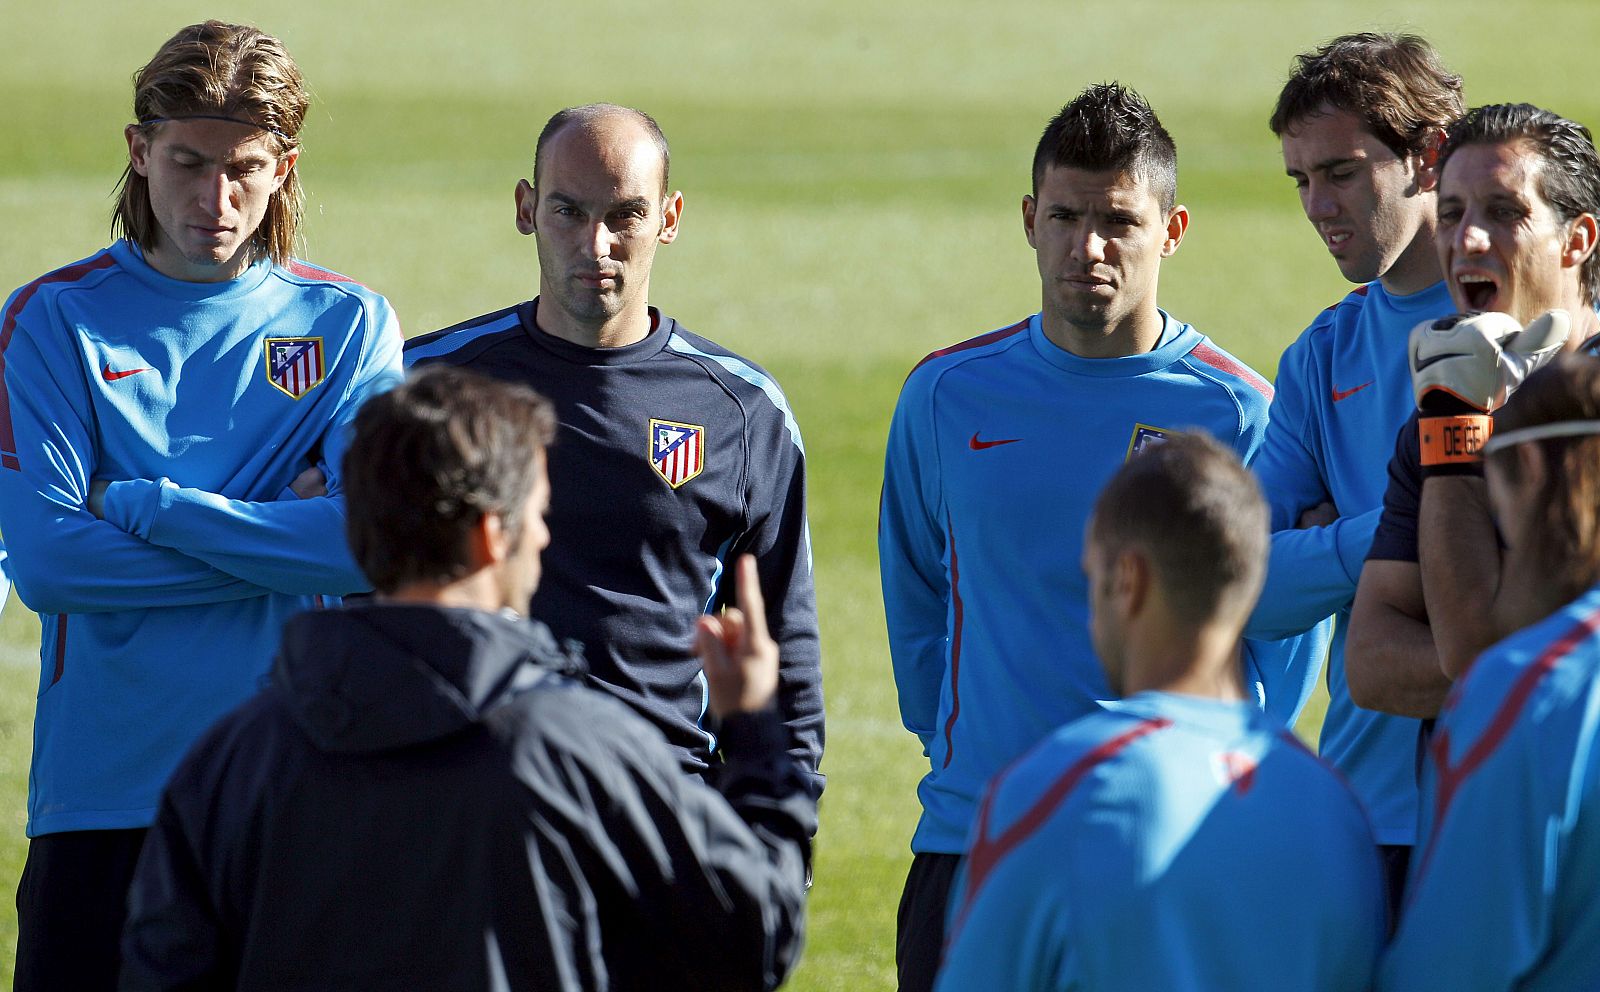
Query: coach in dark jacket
{"type": "Point", "coordinates": [422, 797]}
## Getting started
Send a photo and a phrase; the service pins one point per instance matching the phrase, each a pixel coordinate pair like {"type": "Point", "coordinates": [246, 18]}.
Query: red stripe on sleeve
{"type": "Point", "coordinates": [977, 342]}
{"type": "Point", "coordinates": [8, 325]}
{"type": "Point", "coordinates": [61, 648]}
{"type": "Point", "coordinates": [1452, 777]}
{"type": "Point", "coordinates": [1224, 363]}
{"type": "Point", "coordinates": [987, 854]}
{"type": "Point", "coordinates": [955, 651]}
{"type": "Point", "coordinates": [305, 270]}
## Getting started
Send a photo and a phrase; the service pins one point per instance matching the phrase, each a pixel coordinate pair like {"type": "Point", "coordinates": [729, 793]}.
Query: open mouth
{"type": "Point", "coordinates": [1477, 291]}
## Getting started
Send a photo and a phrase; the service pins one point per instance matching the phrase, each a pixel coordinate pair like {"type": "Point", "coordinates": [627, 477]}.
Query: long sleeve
{"type": "Point", "coordinates": [1311, 572]}
{"type": "Point", "coordinates": [780, 539]}
{"type": "Point", "coordinates": [63, 559]}
{"type": "Point", "coordinates": [911, 550]}
{"type": "Point", "coordinates": [289, 545]}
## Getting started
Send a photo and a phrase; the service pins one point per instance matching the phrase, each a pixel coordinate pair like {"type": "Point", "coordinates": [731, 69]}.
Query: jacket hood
{"type": "Point", "coordinates": [375, 677]}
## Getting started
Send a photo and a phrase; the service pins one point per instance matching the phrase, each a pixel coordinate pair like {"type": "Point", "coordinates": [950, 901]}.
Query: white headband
{"type": "Point", "coordinates": [1539, 432]}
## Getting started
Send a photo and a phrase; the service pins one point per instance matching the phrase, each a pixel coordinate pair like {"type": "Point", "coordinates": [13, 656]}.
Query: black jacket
{"type": "Point", "coordinates": [421, 800]}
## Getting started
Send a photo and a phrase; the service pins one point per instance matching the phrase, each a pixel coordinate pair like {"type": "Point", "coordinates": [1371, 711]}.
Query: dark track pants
{"type": "Point", "coordinates": [71, 905]}
{"type": "Point", "coordinates": [919, 937]}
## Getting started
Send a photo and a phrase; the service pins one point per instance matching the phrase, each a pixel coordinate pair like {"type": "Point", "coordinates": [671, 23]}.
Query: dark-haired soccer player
{"type": "Point", "coordinates": [1182, 838]}
{"type": "Point", "coordinates": [1504, 891]}
{"type": "Point", "coordinates": [1360, 120]}
{"type": "Point", "coordinates": [164, 405]}
{"type": "Point", "coordinates": [996, 451]}
{"type": "Point", "coordinates": [675, 454]}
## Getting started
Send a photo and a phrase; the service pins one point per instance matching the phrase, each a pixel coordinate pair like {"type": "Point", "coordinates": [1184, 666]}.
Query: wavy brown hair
{"type": "Point", "coordinates": [223, 70]}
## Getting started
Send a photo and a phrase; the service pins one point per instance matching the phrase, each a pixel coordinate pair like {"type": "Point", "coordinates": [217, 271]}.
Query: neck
{"type": "Point", "coordinates": [629, 326]}
{"type": "Point", "coordinates": [1135, 334]}
{"type": "Point", "coordinates": [1200, 662]}
{"type": "Point", "coordinates": [171, 264]}
{"type": "Point", "coordinates": [477, 591]}
{"type": "Point", "coordinates": [1417, 268]}
{"type": "Point", "coordinates": [1585, 323]}
{"type": "Point", "coordinates": [1527, 594]}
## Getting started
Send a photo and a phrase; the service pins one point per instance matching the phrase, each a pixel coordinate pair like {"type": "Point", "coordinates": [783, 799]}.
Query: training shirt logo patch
{"type": "Point", "coordinates": [294, 365]}
{"type": "Point", "coordinates": [1145, 436]}
{"type": "Point", "coordinates": [677, 451]}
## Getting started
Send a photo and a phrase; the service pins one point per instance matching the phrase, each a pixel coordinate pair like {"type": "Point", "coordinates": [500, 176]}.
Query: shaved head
{"type": "Point", "coordinates": [602, 122]}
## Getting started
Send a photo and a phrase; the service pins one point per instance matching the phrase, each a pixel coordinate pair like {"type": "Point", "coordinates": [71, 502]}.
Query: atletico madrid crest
{"type": "Point", "coordinates": [1143, 437]}
{"type": "Point", "coordinates": [294, 365]}
{"type": "Point", "coordinates": [677, 451]}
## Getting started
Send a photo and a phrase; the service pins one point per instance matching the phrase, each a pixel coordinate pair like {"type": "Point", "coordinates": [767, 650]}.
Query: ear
{"type": "Point", "coordinates": [671, 210]}
{"type": "Point", "coordinates": [1532, 467]}
{"type": "Point", "coordinates": [527, 203]}
{"type": "Point", "coordinates": [1030, 209]}
{"type": "Point", "coordinates": [286, 163]}
{"type": "Point", "coordinates": [1427, 160]}
{"type": "Point", "coordinates": [1177, 224]}
{"type": "Point", "coordinates": [487, 542]}
{"type": "Point", "coordinates": [138, 149]}
{"type": "Point", "coordinates": [1130, 583]}
{"type": "Point", "coordinates": [1581, 235]}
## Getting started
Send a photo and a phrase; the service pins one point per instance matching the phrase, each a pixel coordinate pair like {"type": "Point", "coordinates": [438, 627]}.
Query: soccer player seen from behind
{"type": "Point", "coordinates": [423, 797]}
{"type": "Point", "coordinates": [1505, 887]}
{"type": "Point", "coordinates": [676, 455]}
{"type": "Point", "coordinates": [166, 405]}
{"type": "Point", "coordinates": [1361, 120]}
{"type": "Point", "coordinates": [996, 450]}
{"type": "Point", "coordinates": [1180, 838]}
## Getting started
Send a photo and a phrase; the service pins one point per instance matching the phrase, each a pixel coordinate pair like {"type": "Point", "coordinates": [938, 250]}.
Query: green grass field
{"type": "Point", "coordinates": [852, 175]}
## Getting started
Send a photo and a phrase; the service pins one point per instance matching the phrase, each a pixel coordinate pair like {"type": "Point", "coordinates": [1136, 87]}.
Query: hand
{"type": "Point", "coordinates": [1471, 363]}
{"type": "Point", "coordinates": [739, 657]}
{"type": "Point", "coordinates": [310, 483]}
{"type": "Point", "coordinates": [1320, 515]}
{"type": "Point", "coordinates": [97, 498]}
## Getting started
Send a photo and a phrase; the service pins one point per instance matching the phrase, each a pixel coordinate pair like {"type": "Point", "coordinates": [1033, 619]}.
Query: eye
{"type": "Point", "coordinates": [1343, 175]}
{"type": "Point", "coordinates": [1301, 182]}
{"type": "Point", "coordinates": [1449, 215]}
{"type": "Point", "coordinates": [1506, 214]}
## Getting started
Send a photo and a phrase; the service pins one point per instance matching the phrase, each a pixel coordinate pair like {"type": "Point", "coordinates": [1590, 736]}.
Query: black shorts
{"type": "Point", "coordinates": [919, 936]}
{"type": "Point", "coordinates": [71, 905]}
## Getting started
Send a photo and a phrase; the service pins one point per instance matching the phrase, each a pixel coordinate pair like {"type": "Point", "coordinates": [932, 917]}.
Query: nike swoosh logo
{"type": "Point", "coordinates": [1344, 394]}
{"type": "Point", "coordinates": [1439, 358]}
{"type": "Point", "coordinates": [111, 376]}
{"type": "Point", "coordinates": [977, 445]}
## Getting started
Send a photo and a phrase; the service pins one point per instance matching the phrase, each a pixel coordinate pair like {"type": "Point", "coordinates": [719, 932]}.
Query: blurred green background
{"type": "Point", "coordinates": [852, 175]}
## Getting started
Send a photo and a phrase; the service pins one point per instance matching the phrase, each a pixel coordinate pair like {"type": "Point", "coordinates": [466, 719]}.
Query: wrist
{"type": "Point", "coordinates": [1452, 444]}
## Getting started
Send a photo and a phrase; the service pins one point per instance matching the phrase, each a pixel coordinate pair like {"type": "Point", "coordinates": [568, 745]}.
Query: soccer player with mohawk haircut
{"type": "Point", "coordinates": [996, 451]}
{"type": "Point", "coordinates": [165, 405]}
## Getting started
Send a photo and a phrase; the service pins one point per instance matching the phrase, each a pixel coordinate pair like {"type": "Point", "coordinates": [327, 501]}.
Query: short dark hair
{"type": "Point", "coordinates": [1191, 507]}
{"type": "Point", "coordinates": [1568, 505]}
{"type": "Point", "coordinates": [428, 460]}
{"type": "Point", "coordinates": [1569, 172]}
{"type": "Point", "coordinates": [1109, 127]}
{"type": "Point", "coordinates": [590, 115]}
{"type": "Point", "coordinates": [1396, 84]}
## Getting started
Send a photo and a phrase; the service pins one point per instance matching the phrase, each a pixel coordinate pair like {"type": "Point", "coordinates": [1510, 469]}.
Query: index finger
{"type": "Point", "coordinates": [747, 590]}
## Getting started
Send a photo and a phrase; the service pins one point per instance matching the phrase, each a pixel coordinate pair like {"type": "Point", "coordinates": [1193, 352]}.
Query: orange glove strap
{"type": "Point", "coordinates": [1454, 440]}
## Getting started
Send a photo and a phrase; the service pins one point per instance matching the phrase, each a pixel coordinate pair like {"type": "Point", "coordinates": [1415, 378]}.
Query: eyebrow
{"type": "Point", "coordinates": [632, 203]}
{"type": "Point", "coordinates": [1326, 164]}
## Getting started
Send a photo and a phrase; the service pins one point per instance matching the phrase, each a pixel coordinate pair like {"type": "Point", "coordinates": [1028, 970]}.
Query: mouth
{"type": "Point", "coordinates": [600, 280]}
{"type": "Point", "coordinates": [1335, 240]}
{"type": "Point", "coordinates": [1477, 291]}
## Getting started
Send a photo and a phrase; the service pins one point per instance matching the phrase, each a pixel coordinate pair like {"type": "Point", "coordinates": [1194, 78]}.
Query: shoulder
{"type": "Point", "coordinates": [753, 386]}
{"type": "Point", "coordinates": [1248, 385]}
{"type": "Point", "coordinates": [1105, 742]}
{"type": "Point", "coordinates": [82, 273]}
{"type": "Point", "coordinates": [561, 720]}
{"type": "Point", "coordinates": [315, 278]}
{"type": "Point", "coordinates": [1315, 344]}
{"type": "Point", "coordinates": [460, 344]}
{"type": "Point", "coordinates": [985, 345]}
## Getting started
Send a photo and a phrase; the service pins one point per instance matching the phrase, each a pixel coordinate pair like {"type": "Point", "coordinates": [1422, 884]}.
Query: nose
{"type": "Point", "coordinates": [1472, 238]}
{"type": "Point", "coordinates": [1319, 204]}
{"type": "Point", "coordinates": [1089, 247]}
{"type": "Point", "coordinates": [600, 241]}
{"type": "Point", "coordinates": [216, 193]}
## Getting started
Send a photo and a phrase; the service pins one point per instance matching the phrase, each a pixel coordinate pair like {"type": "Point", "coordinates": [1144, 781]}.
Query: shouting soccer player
{"type": "Point", "coordinates": [996, 451]}
{"type": "Point", "coordinates": [674, 455]}
{"type": "Point", "coordinates": [1102, 859]}
{"type": "Point", "coordinates": [1505, 887]}
{"type": "Point", "coordinates": [166, 404]}
{"type": "Point", "coordinates": [1361, 121]}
